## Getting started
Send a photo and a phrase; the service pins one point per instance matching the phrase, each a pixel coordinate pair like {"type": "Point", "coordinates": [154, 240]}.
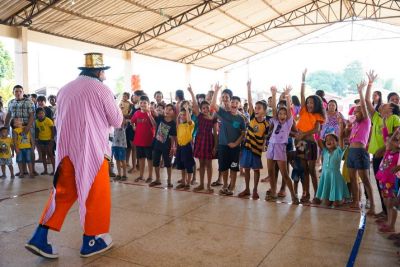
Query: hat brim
{"type": "Point", "coordinates": [101, 68]}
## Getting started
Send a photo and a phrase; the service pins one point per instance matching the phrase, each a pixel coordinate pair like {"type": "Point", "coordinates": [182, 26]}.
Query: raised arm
{"type": "Point", "coordinates": [249, 97]}
{"type": "Point", "coordinates": [360, 88]}
{"type": "Point", "coordinates": [370, 107]}
{"type": "Point", "coordinates": [214, 105]}
{"type": "Point", "coordinates": [287, 91]}
{"type": "Point", "coordinates": [273, 101]}
{"type": "Point", "coordinates": [195, 105]}
{"type": "Point", "coordinates": [341, 131]}
{"type": "Point", "coordinates": [303, 88]}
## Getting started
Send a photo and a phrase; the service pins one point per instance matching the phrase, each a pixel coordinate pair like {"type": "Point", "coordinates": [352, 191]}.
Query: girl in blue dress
{"type": "Point", "coordinates": [332, 188]}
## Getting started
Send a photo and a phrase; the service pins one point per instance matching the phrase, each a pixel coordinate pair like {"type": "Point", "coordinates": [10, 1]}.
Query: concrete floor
{"type": "Point", "coordinates": [167, 227]}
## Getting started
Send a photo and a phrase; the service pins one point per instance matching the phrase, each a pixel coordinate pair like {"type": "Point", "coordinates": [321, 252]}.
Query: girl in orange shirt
{"type": "Point", "coordinates": [312, 116]}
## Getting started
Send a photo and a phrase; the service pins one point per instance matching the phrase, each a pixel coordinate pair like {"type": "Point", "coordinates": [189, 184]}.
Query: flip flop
{"type": "Point", "coordinates": [395, 236]}
{"type": "Point", "coordinates": [139, 179]}
{"type": "Point", "coordinates": [155, 183]}
{"type": "Point", "coordinates": [216, 183]}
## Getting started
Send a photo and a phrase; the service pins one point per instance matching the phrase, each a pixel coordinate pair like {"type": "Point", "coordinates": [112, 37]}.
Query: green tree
{"type": "Point", "coordinates": [388, 84]}
{"type": "Point", "coordinates": [353, 73]}
{"type": "Point", "coordinates": [6, 74]}
{"type": "Point", "coordinates": [119, 85]}
{"type": "Point", "coordinates": [328, 81]}
{"type": "Point", "coordinates": [6, 65]}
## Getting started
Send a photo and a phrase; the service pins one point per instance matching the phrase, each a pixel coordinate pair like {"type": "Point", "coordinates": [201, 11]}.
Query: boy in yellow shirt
{"type": "Point", "coordinates": [45, 139]}
{"type": "Point", "coordinates": [184, 153]}
{"type": "Point", "coordinates": [23, 147]}
{"type": "Point", "coordinates": [6, 152]}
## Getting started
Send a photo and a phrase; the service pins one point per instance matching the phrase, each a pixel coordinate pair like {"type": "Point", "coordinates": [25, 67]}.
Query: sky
{"type": "Point", "coordinates": [375, 44]}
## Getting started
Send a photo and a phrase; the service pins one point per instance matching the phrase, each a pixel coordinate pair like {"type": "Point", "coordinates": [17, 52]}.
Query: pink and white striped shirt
{"type": "Point", "coordinates": [86, 111]}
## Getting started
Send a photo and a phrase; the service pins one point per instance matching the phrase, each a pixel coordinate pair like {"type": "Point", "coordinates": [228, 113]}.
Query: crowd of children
{"type": "Point", "coordinates": [21, 141]}
{"type": "Point", "coordinates": [294, 134]}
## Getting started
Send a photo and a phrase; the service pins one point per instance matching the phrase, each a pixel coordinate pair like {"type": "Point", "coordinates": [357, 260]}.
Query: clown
{"type": "Point", "coordinates": [85, 112]}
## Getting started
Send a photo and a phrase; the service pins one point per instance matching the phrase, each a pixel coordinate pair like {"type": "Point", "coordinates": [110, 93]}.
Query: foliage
{"type": "Point", "coordinates": [337, 83]}
{"type": "Point", "coordinates": [6, 75]}
{"type": "Point", "coordinates": [6, 65]}
{"type": "Point", "coordinates": [353, 74]}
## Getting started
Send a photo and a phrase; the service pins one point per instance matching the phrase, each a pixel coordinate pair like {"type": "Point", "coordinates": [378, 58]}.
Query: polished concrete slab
{"type": "Point", "coordinates": [168, 227]}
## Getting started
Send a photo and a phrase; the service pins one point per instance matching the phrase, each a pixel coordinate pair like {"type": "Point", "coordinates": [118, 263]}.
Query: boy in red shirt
{"type": "Point", "coordinates": [144, 125]}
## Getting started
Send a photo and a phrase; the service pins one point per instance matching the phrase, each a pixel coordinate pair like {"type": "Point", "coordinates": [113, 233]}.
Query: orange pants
{"type": "Point", "coordinates": [98, 203]}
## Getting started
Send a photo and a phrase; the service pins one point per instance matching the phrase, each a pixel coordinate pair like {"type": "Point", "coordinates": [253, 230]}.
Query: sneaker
{"type": "Point", "coordinates": [38, 244]}
{"type": "Point", "coordinates": [93, 245]}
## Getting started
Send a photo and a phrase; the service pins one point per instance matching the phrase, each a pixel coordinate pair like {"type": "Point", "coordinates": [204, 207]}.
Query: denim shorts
{"type": "Point", "coordinates": [119, 153]}
{"type": "Point", "coordinates": [250, 161]}
{"type": "Point", "coordinates": [358, 159]}
{"type": "Point", "coordinates": [24, 155]}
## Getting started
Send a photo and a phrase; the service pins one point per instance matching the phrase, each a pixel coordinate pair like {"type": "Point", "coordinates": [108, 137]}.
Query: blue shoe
{"type": "Point", "coordinates": [93, 245]}
{"type": "Point", "coordinates": [38, 244]}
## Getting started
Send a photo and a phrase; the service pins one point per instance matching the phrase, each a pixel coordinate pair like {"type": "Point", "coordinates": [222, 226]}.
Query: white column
{"type": "Point", "coordinates": [226, 78]}
{"type": "Point", "coordinates": [127, 56]}
{"type": "Point", "coordinates": [21, 58]}
{"type": "Point", "coordinates": [188, 74]}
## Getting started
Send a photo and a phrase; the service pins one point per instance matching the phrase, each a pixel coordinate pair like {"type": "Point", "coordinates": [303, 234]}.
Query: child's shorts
{"type": "Point", "coordinates": [43, 143]}
{"type": "Point", "coordinates": [119, 153]}
{"type": "Point", "coordinates": [387, 189]}
{"type": "Point", "coordinates": [228, 158]}
{"type": "Point", "coordinates": [144, 152]}
{"type": "Point", "coordinates": [24, 155]}
{"type": "Point", "coordinates": [277, 152]}
{"type": "Point", "coordinates": [307, 149]}
{"type": "Point", "coordinates": [358, 159]}
{"type": "Point", "coordinates": [250, 161]}
{"type": "Point", "coordinates": [164, 152]}
{"type": "Point", "coordinates": [4, 162]}
{"type": "Point", "coordinates": [184, 158]}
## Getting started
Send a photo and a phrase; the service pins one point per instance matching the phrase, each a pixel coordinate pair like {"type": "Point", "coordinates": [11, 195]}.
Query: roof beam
{"type": "Point", "coordinates": [24, 16]}
{"type": "Point", "coordinates": [172, 23]}
{"type": "Point", "coordinates": [303, 12]}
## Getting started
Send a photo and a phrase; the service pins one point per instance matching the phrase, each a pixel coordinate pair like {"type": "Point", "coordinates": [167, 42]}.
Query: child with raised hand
{"type": "Point", "coordinates": [256, 133]}
{"type": "Point", "coordinates": [144, 125]}
{"type": "Point", "coordinates": [23, 145]}
{"type": "Point", "coordinates": [276, 152]}
{"type": "Point", "coordinates": [6, 152]}
{"type": "Point", "coordinates": [164, 143]}
{"type": "Point", "coordinates": [118, 149]}
{"type": "Point", "coordinates": [184, 153]}
{"type": "Point", "coordinates": [205, 147]}
{"type": "Point", "coordinates": [45, 138]}
{"type": "Point", "coordinates": [311, 117]}
{"type": "Point", "coordinates": [387, 182]}
{"type": "Point", "coordinates": [332, 188]}
{"type": "Point", "coordinates": [358, 159]}
{"type": "Point", "coordinates": [231, 133]}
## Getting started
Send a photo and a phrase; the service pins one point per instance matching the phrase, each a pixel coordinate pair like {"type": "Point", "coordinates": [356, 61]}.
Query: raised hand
{"type": "Point", "coordinates": [249, 84]}
{"type": "Point", "coordinates": [303, 77]}
{"type": "Point", "coordinates": [273, 89]}
{"type": "Point", "coordinates": [287, 90]}
{"type": "Point", "coordinates": [361, 86]}
{"type": "Point", "coordinates": [217, 87]}
{"type": "Point", "coordinates": [190, 89]}
{"type": "Point", "coordinates": [371, 76]}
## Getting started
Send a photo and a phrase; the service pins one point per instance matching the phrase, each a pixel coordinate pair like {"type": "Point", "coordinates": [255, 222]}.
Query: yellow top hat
{"type": "Point", "coordinates": [94, 61]}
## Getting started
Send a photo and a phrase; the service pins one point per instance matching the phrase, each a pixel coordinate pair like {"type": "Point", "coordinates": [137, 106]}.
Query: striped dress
{"type": "Point", "coordinates": [86, 111]}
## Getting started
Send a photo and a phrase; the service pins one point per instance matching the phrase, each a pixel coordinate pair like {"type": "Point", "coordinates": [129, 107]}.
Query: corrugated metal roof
{"type": "Point", "coordinates": [231, 32]}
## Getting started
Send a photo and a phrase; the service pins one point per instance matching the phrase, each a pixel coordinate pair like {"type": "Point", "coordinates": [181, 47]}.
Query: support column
{"type": "Point", "coordinates": [226, 78]}
{"type": "Point", "coordinates": [188, 74]}
{"type": "Point", "coordinates": [21, 58]}
{"type": "Point", "coordinates": [127, 56]}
